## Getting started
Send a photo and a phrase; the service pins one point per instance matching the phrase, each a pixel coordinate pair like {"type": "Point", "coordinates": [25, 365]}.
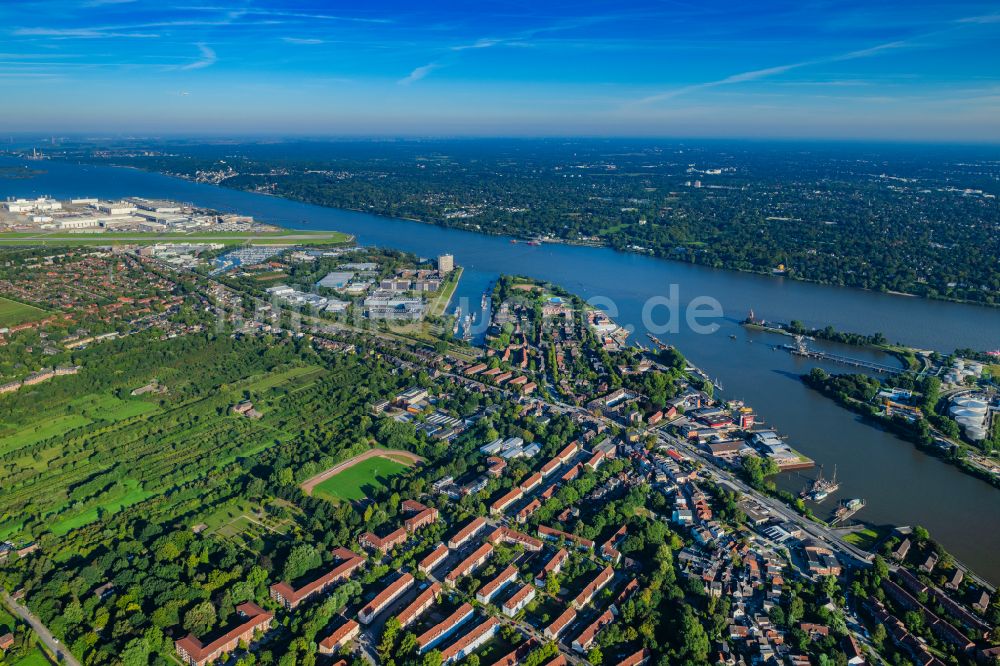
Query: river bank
{"type": "Point", "coordinates": [658, 253]}
{"type": "Point", "coordinates": [917, 431]}
{"type": "Point", "coordinates": [902, 485]}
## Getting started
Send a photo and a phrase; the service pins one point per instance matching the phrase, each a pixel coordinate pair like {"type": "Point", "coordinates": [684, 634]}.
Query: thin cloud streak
{"type": "Point", "coordinates": [418, 73]}
{"type": "Point", "coordinates": [757, 74]}
{"type": "Point", "coordinates": [208, 58]}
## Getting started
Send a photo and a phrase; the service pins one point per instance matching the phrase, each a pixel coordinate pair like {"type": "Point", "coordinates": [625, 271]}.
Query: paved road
{"type": "Point", "coordinates": [42, 631]}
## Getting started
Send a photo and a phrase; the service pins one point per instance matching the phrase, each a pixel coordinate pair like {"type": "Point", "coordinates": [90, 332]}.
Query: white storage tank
{"type": "Point", "coordinates": [976, 434]}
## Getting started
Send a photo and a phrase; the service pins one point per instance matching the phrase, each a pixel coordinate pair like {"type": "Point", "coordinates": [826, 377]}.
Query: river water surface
{"type": "Point", "coordinates": [901, 485]}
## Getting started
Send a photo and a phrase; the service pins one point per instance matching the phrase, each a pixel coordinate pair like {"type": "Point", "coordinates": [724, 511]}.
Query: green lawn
{"type": "Point", "coordinates": [134, 495]}
{"type": "Point", "coordinates": [13, 313]}
{"type": "Point", "coordinates": [26, 436]}
{"type": "Point", "coordinates": [86, 410]}
{"type": "Point", "coordinates": [34, 658]}
{"type": "Point", "coordinates": [110, 408]}
{"type": "Point", "coordinates": [361, 480]}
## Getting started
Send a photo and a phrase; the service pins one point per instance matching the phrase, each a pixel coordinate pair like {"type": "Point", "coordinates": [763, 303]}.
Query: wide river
{"type": "Point", "coordinates": [901, 485]}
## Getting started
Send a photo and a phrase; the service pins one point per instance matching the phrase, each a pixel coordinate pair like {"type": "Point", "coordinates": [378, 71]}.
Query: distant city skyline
{"type": "Point", "coordinates": [773, 69]}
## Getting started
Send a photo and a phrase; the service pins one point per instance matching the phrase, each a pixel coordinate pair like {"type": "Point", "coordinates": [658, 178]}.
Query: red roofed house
{"type": "Point", "coordinates": [193, 651]}
{"type": "Point", "coordinates": [531, 507]}
{"type": "Point", "coordinates": [436, 557]}
{"type": "Point", "coordinates": [624, 596]}
{"type": "Point", "coordinates": [521, 598]}
{"type": "Point", "coordinates": [572, 473]}
{"type": "Point", "coordinates": [567, 453]}
{"type": "Point", "coordinates": [586, 638]}
{"type": "Point", "coordinates": [550, 467]}
{"type": "Point", "coordinates": [636, 659]}
{"type": "Point", "coordinates": [559, 624]}
{"type": "Point", "coordinates": [470, 563]}
{"type": "Point", "coordinates": [518, 655]}
{"type": "Point", "coordinates": [552, 534]}
{"type": "Point", "coordinates": [467, 532]}
{"type": "Point", "coordinates": [595, 586]}
{"type": "Point", "coordinates": [516, 538]}
{"type": "Point", "coordinates": [383, 544]}
{"type": "Point", "coordinates": [442, 629]}
{"type": "Point", "coordinates": [425, 517]}
{"type": "Point", "coordinates": [289, 597]}
{"type": "Point", "coordinates": [385, 597]}
{"type": "Point", "coordinates": [505, 501]}
{"type": "Point", "coordinates": [412, 506]}
{"type": "Point", "coordinates": [531, 482]}
{"type": "Point", "coordinates": [470, 642]}
{"type": "Point", "coordinates": [417, 607]}
{"type": "Point", "coordinates": [341, 636]}
{"type": "Point", "coordinates": [596, 460]}
{"type": "Point", "coordinates": [552, 566]}
{"type": "Point", "coordinates": [486, 592]}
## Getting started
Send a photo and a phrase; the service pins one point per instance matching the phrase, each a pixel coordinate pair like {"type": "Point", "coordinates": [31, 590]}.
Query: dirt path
{"type": "Point", "coordinates": [391, 454]}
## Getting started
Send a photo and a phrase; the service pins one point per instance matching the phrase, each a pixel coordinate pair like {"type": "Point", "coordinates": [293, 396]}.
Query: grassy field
{"type": "Point", "coordinates": [361, 480]}
{"type": "Point", "coordinates": [13, 313]}
{"type": "Point", "coordinates": [865, 539]}
{"type": "Point", "coordinates": [287, 237]}
{"type": "Point", "coordinates": [85, 410]}
{"type": "Point", "coordinates": [34, 658]}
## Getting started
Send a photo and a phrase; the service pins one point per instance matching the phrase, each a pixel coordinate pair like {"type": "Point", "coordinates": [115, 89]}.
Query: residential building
{"type": "Point", "coordinates": [290, 597]}
{"type": "Point", "coordinates": [586, 638]}
{"type": "Point", "coordinates": [470, 642]}
{"type": "Point", "coordinates": [559, 624]}
{"type": "Point", "coordinates": [506, 500]}
{"type": "Point", "coordinates": [254, 619]}
{"type": "Point", "coordinates": [436, 557]}
{"type": "Point", "coordinates": [340, 637]}
{"type": "Point", "coordinates": [383, 544]}
{"type": "Point", "coordinates": [552, 534]}
{"type": "Point", "coordinates": [593, 587]}
{"type": "Point", "coordinates": [470, 563]}
{"type": "Point", "coordinates": [419, 605]}
{"type": "Point", "coordinates": [553, 566]}
{"type": "Point", "coordinates": [519, 600]}
{"type": "Point", "coordinates": [492, 587]}
{"type": "Point", "coordinates": [507, 535]}
{"type": "Point", "coordinates": [427, 640]}
{"type": "Point", "coordinates": [385, 597]}
{"type": "Point", "coordinates": [467, 532]}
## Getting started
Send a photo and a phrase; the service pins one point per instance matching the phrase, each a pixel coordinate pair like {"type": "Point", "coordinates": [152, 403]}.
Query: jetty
{"type": "Point", "coordinates": [800, 349]}
{"type": "Point", "coordinates": [846, 510]}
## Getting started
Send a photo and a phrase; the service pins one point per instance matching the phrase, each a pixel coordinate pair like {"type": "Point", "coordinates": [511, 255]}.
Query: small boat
{"type": "Point", "coordinates": [534, 242]}
{"type": "Point", "coordinates": [732, 337]}
{"type": "Point", "coordinates": [514, 241]}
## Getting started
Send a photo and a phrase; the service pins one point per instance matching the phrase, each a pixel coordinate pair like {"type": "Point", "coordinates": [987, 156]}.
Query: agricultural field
{"type": "Point", "coordinates": [13, 313]}
{"type": "Point", "coordinates": [86, 452]}
{"type": "Point", "coordinates": [364, 479]}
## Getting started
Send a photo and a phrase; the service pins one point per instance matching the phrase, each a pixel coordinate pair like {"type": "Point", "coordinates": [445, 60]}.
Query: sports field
{"type": "Point", "coordinates": [360, 480]}
{"type": "Point", "coordinates": [13, 313]}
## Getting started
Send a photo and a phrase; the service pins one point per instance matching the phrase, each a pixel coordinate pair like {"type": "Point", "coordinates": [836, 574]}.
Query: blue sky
{"type": "Point", "coordinates": [867, 70]}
